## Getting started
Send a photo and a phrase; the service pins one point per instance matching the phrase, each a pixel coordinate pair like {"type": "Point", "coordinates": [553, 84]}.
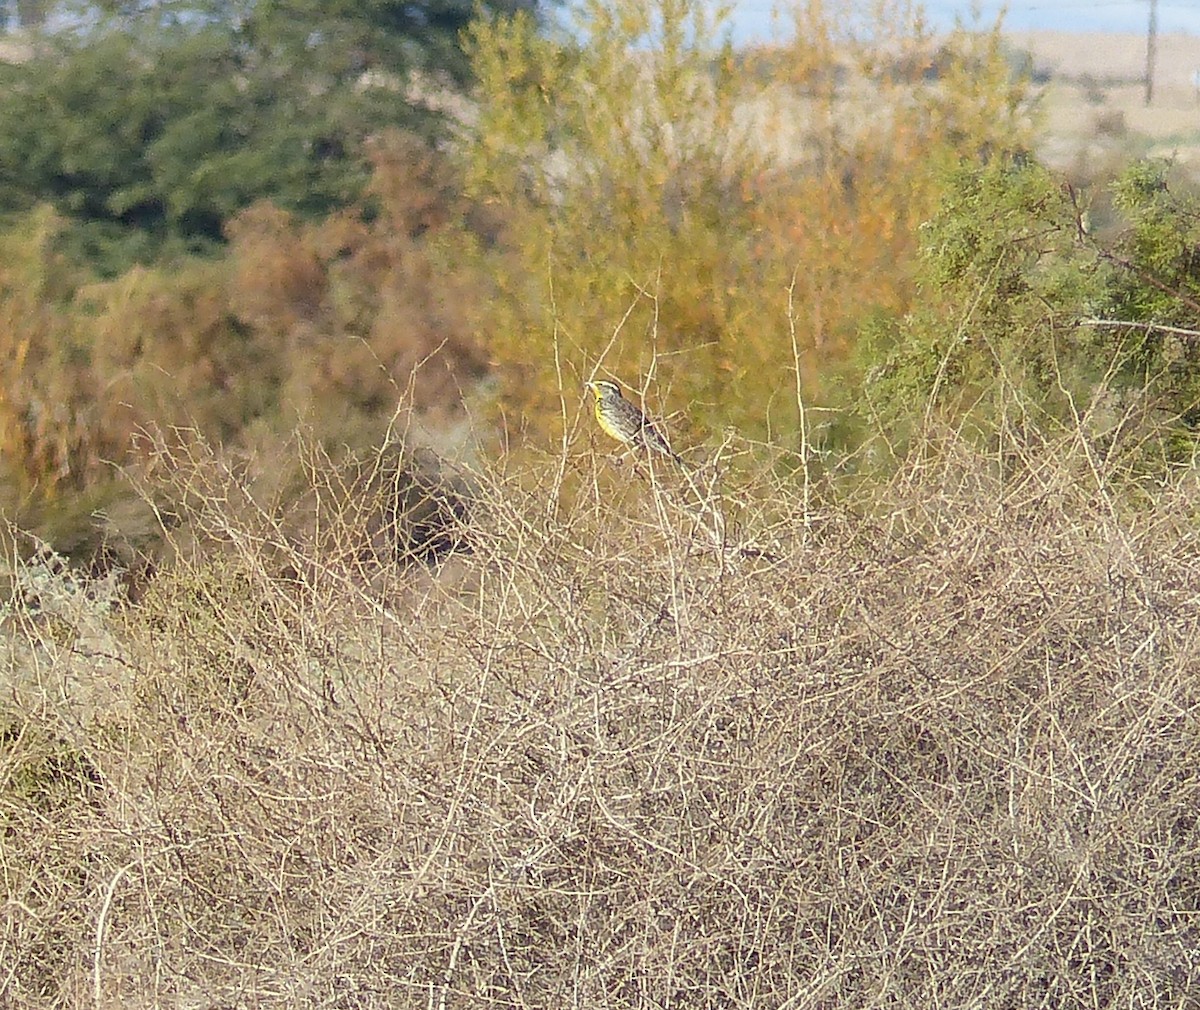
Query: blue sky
{"type": "Point", "coordinates": [752, 18]}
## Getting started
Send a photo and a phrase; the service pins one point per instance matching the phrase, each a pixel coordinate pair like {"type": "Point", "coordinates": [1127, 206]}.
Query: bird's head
{"type": "Point", "coordinates": [603, 389]}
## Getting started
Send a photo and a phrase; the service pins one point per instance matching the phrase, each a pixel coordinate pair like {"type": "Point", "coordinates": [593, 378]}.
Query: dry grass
{"type": "Point", "coordinates": [1098, 83]}
{"type": "Point", "coordinates": [928, 747]}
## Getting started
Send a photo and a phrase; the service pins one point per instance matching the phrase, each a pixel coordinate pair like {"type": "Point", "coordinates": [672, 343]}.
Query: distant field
{"type": "Point", "coordinates": [1095, 99]}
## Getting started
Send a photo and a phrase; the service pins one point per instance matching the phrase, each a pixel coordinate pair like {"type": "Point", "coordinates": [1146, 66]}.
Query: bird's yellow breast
{"type": "Point", "coordinates": [606, 425]}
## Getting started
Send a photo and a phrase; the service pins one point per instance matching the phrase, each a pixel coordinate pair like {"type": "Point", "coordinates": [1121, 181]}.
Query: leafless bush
{"type": "Point", "coordinates": [928, 744]}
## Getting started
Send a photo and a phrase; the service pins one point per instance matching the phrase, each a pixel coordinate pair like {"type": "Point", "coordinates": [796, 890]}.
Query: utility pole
{"type": "Point", "coordinates": [1151, 49]}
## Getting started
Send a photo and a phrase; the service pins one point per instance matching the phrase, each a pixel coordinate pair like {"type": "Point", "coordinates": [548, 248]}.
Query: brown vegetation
{"type": "Point", "coordinates": [327, 325]}
{"type": "Point", "coordinates": [1095, 80]}
{"type": "Point", "coordinates": [905, 719]}
{"type": "Point", "coordinates": [928, 745]}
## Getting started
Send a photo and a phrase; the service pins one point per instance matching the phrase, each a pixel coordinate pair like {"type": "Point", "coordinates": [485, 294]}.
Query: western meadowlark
{"type": "Point", "coordinates": [622, 420]}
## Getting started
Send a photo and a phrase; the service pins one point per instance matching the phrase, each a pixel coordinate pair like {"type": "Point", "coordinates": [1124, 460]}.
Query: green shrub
{"type": "Point", "coordinates": [149, 128]}
{"type": "Point", "coordinates": [1028, 320]}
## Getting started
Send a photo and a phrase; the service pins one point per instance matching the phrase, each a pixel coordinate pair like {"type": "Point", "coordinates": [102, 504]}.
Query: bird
{"type": "Point", "coordinates": [623, 421]}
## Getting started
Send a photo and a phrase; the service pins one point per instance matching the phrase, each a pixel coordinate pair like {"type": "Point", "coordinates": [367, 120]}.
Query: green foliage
{"type": "Point", "coordinates": [1025, 318]}
{"type": "Point", "coordinates": [152, 138]}
{"type": "Point", "coordinates": [155, 127]}
{"type": "Point", "coordinates": [1160, 249]}
{"type": "Point", "coordinates": [370, 35]}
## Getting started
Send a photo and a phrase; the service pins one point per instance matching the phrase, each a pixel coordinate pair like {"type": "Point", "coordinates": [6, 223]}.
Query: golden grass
{"type": "Point", "coordinates": [1094, 104]}
{"type": "Point", "coordinates": [931, 745]}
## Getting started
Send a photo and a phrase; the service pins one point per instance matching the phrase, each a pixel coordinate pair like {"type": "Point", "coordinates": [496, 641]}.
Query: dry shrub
{"type": "Point", "coordinates": [927, 746]}
{"type": "Point", "coordinates": [278, 280]}
{"type": "Point", "coordinates": [365, 299]}
{"type": "Point", "coordinates": [163, 351]}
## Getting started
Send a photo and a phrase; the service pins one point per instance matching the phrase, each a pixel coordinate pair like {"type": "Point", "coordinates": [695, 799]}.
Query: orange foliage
{"type": "Point", "coordinates": [331, 323]}
{"type": "Point", "coordinates": [277, 279]}
{"type": "Point", "coordinates": [718, 222]}
{"type": "Point", "coordinates": [48, 437]}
